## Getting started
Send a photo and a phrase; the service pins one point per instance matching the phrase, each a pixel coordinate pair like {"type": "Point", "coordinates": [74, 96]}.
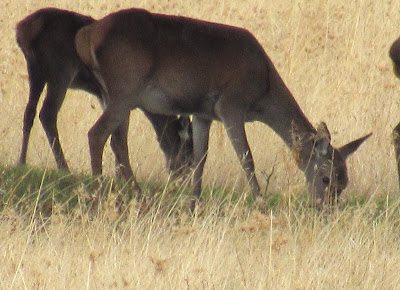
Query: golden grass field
{"type": "Point", "coordinates": [333, 55]}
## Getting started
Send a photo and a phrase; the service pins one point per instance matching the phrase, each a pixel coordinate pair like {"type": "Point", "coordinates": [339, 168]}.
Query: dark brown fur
{"type": "Point", "coordinates": [176, 65]}
{"type": "Point", "coordinates": [46, 38]}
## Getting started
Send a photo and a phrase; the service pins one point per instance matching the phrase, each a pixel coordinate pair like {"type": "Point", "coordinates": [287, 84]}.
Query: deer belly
{"type": "Point", "coordinates": [156, 101]}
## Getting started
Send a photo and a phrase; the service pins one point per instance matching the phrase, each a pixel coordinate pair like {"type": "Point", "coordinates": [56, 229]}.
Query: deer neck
{"type": "Point", "coordinates": [285, 117]}
{"type": "Point", "coordinates": [299, 136]}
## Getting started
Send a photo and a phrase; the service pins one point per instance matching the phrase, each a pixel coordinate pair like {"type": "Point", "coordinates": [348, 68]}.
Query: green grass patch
{"type": "Point", "coordinates": [24, 187]}
{"type": "Point", "coordinates": [27, 189]}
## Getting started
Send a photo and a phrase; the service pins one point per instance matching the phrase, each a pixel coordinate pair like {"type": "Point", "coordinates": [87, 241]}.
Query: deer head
{"type": "Point", "coordinates": [326, 171]}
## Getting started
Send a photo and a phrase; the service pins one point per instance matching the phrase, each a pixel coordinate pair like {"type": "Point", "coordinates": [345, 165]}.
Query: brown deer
{"type": "Point", "coordinates": [394, 54]}
{"type": "Point", "coordinates": [176, 65]}
{"type": "Point", "coordinates": [46, 38]}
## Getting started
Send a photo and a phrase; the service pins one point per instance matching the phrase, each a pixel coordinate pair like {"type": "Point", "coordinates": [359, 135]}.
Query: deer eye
{"type": "Point", "coordinates": [326, 180]}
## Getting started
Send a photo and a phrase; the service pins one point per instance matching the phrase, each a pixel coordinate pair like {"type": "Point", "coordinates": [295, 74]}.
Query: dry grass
{"type": "Point", "coordinates": [333, 55]}
{"type": "Point", "coordinates": [228, 247]}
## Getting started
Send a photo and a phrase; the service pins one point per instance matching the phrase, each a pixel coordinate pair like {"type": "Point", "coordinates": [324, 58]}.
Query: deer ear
{"type": "Point", "coordinates": [322, 140]}
{"type": "Point", "coordinates": [348, 149]}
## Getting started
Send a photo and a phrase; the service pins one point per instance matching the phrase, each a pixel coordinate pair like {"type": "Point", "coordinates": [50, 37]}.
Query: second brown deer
{"type": "Point", "coordinates": [175, 65]}
{"type": "Point", "coordinates": [46, 38]}
{"type": "Point", "coordinates": [394, 54]}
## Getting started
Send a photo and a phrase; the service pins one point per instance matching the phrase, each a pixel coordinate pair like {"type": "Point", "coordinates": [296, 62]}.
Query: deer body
{"type": "Point", "coordinates": [46, 38]}
{"type": "Point", "coordinates": [176, 65]}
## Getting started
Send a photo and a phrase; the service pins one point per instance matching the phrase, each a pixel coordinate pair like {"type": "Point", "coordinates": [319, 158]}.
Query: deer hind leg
{"type": "Point", "coordinates": [118, 138]}
{"type": "Point", "coordinates": [113, 121]}
{"type": "Point", "coordinates": [119, 145]}
{"type": "Point", "coordinates": [36, 85]}
{"type": "Point", "coordinates": [48, 116]}
{"type": "Point", "coordinates": [396, 143]}
{"type": "Point", "coordinates": [201, 129]}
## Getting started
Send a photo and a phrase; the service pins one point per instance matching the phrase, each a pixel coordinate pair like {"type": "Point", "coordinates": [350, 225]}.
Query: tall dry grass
{"type": "Point", "coordinates": [227, 247]}
{"type": "Point", "coordinates": [333, 55]}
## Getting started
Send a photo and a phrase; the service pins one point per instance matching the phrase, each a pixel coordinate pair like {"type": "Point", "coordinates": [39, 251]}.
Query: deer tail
{"type": "Point", "coordinates": [85, 47]}
{"type": "Point", "coordinates": [87, 41]}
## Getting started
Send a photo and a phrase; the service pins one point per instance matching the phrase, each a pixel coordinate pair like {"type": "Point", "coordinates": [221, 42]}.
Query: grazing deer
{"type": "Point", "coordinates": [394, 54]}
{"type": "Point", "coordinates": [176, 65]}
{"type": "Point", "coordinates": [46, 38]}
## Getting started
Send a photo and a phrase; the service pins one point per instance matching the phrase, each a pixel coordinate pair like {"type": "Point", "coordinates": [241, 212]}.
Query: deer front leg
{"type": "Point", "coordinates": [234, 126]}
{"type": "Point", "coordinates": [396, 143]}
{"type": "Point", "coordinates": [201, 130]}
